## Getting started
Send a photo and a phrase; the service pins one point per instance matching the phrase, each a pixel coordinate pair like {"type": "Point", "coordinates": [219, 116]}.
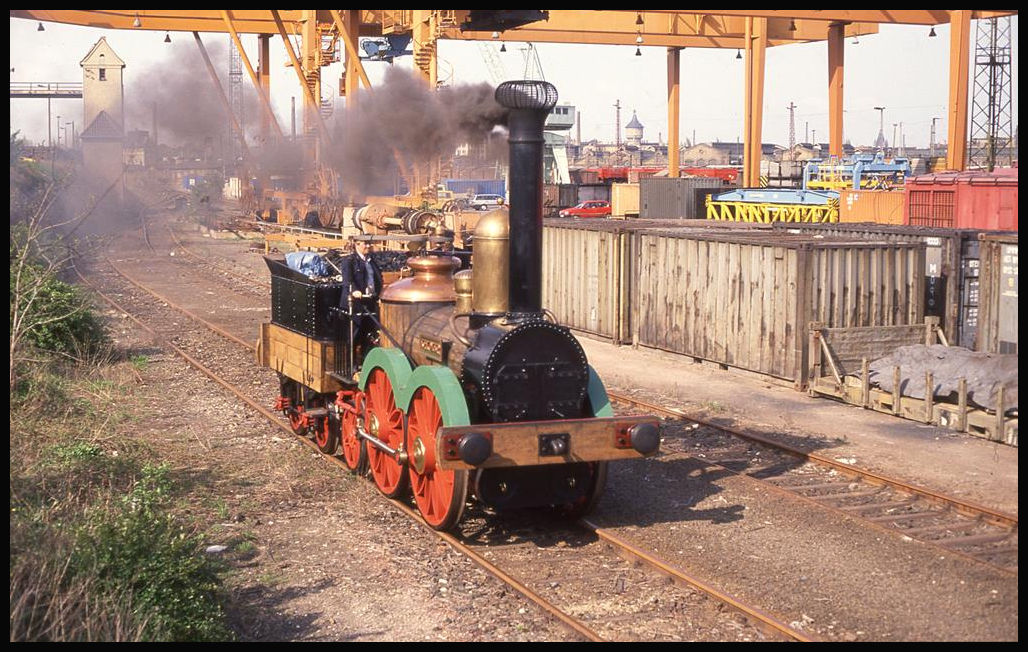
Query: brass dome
{"type": "Point", "coordinates": [432, 281]}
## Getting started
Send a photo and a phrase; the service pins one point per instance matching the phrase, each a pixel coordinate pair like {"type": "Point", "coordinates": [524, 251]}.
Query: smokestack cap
{"type": "Point", "coordinates": [527, 94]}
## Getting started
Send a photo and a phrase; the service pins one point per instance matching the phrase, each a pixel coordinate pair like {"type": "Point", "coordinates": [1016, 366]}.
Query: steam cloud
{"type": "Point", "coordinates": [189, 109]}
{"type": "Point", "coordinates": [404, 115]}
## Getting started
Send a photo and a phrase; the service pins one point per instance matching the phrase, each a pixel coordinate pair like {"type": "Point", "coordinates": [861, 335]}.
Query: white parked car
{"type": "Point", "coordinates": [486, 202]}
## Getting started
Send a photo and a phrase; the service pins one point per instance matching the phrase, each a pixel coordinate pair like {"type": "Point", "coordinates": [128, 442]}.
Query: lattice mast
{"type": "Point", "coordinates": [991, 138]}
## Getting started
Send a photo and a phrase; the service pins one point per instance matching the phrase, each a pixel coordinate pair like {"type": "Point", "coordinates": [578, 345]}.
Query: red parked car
{"type": "Point", "coordinates": [591, 208]}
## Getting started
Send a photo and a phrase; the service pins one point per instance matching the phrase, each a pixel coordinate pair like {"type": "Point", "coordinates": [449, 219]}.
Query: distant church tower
{"type": "Point", "coordinates": [103, 114]}
{"type": "Point", "coordinates": [634, 132]}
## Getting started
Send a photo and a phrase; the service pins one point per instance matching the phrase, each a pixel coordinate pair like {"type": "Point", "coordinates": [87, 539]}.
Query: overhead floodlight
{"type": "Point", "coordinates": [496, 35]}
{"type": "Point", "coordinates": [137, 22]}
{"type": "Point", "coordinates": [931, 34]}
{"type": "Point", "coordinates": [792, 25]}
{"type": "Point", "coordinates": [503, 47]}
{"type": "Point", "coordinates": [639, 18]}
{"type": "Point", "coordinates": [41, 28]}
{"type": "Point", "coordinates": [738, 54]}
{"type": "Point", "coordinates": [638, 52]}
{"type": "Point", "coordinates": [639, 39]}
{"type": "Point", "coordinates": [167, 37]}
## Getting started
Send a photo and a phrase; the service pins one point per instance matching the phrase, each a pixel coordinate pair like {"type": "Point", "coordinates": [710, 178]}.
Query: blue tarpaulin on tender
{"type": "Point", "coordinates": [308, 262]}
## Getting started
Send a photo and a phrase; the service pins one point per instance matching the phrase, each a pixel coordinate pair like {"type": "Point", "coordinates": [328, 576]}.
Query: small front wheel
{"type": "Point", "coordinates": [326, 436]}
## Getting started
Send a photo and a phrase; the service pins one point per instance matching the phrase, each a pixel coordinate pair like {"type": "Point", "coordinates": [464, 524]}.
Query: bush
{"type": "Point", "coordinates": [140, 549]}
{"type": "Point", "coordinates": [96, 553]}
{"type": "Point", "coordinates": [63, 319]}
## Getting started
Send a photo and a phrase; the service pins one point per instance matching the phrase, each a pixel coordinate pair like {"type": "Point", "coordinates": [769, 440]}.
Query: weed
{"type": "Point", "coordinates": [76, 452]}
{"type": "Point", "coordinates": [245, 547]}
{"type": "Point", "coordinates": [139, 362]}
{"type": "Point", "coordinates": [141, 548]}
{"type": "Point", "coordinates": [271, 579]}
{"type": "Point", "coordinates": [713, 406]}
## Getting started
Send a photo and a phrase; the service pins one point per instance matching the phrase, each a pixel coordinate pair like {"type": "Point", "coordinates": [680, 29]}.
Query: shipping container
{"type": "Point", "coordinates": [586, 277]}
{"type": "Point", "coordinates": [583, 275]}
{"type": "Point", "coordinates": [950, 271]}
{"type": "Point", "coordinates": [745, 301]}
{"type": "Point", "coordinates": [590, 191]}
{"type": "Point", "coordinates": [551, 199]}
{"type": "Point", "coordinates": [997, 313]}
{"type": "Point", "coordinates": [676, 198]}
{"type": "Point", "coordinates": [624, 200]}
{"type": "Point", "coordinates": [472, 187]}
{"type": "Point", "coordinates": [738, 295]}
{"type": "Point", "coordinates": [568, 195]}
{"type": "Point", "coordinates": [585, 176]}
{"type": "Point", "coordinates": [963, 200]}
{"type": "Point", "coordinates": [557, 197]}
{"type": "Point", "coordinates": [878, 206]}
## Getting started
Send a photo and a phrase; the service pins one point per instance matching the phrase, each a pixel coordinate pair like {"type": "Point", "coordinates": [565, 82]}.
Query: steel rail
{"type": "Point", "coordinates": [755, 616]}
{"type": "Point", "coordinates": [200, 258]}
{"type": "Point", "coordinates": [960, 505]}
{"type": "Point", "coordinates": [568, 620]}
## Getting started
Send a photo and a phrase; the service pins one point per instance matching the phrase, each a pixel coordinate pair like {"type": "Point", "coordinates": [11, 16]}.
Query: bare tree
{"type": "Point", "coordinates": [38, 252]}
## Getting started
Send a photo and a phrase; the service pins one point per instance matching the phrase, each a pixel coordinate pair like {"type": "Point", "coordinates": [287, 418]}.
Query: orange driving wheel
{"type": "Point", "coordinates": [385, 422]}
{"type": "Point", "coordinates": [439, 494]}
{"type": "Point", "coordinates": [355, 453]}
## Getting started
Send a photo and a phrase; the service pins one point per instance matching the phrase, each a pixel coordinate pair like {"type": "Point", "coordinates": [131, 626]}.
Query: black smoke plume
{"type": "Point", "coordinates": [404, 120]}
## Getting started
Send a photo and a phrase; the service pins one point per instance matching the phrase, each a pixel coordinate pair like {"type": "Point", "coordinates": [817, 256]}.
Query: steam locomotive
{"type": "Point", "coordinates": [474, 390]}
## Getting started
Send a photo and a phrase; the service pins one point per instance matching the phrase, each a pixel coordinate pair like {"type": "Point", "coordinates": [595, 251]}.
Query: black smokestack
{"type": "Point", "coordinates": [529, 102]}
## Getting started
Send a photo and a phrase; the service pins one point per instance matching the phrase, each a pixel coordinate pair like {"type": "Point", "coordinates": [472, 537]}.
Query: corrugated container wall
{"type": "Point", "coordinates": [583, 280]}
{"type": "Point", "coordinates": [997, 315]}
{"type": "Point", "coordinates": [624, 200]}
{"type": "Point", "coordinates": [878, 206]}
{"type": "Point", "coordinates": [747, 302]}
{"type": "Point", "coordinates": [477, 186]}
{"type": "Point", "coordinates": [963, 200]}
{"type": "Point", "coordinates": [590, 191]}
{"type": "Point", "coordinates": [950, 269]}
{"type": "Point", "coordinates": [675, 198]}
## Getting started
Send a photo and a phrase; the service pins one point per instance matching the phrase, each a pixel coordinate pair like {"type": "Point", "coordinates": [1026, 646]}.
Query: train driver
{"type": "Point", "coordinates": [362, 284]}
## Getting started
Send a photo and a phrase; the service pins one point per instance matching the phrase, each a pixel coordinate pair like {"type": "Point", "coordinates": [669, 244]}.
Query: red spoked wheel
{"type": "Point", "coordinates": [326, 436]}
{"type": "Point", "coordinates": [294, 405]}
{"type": "Point", "coordinates": [385, 421]}
{"type": "Point", "coordinates": [355, 453]}
{"type": "Point", "coordinates": [440, 495]}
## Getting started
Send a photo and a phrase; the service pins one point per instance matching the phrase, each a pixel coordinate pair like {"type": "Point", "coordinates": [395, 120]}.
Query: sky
{"type": "Point", "coordinates": [900, 68]}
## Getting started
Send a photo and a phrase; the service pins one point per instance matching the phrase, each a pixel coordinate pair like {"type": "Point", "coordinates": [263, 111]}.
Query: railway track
{"type": "Point", "coordinates": [728, 618]}
{"type": "Point", "coordinates": [954, 525]}
{"type": "Point", "coordinates": [611, 569]}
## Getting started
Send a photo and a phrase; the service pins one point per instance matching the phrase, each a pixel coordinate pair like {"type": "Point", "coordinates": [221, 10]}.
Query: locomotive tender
{"type": "Point", "coordinates": [474, 389]}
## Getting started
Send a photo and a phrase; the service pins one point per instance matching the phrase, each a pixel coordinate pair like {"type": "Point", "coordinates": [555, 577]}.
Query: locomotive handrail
{"type": "Point", "coordinates": [453, 328]}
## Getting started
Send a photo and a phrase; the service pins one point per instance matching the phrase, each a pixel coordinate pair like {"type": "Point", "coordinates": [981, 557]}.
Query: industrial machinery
{"type": "Point", "coordinates": [862, 172]}
{"type": "Point", "coordinates": [475, 390]}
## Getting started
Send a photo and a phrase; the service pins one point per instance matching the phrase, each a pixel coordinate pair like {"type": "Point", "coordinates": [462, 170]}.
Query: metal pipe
{"type": "Point", "coordinates": [529, 102]}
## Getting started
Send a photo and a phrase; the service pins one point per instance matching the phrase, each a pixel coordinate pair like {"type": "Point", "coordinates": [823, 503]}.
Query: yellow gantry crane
{"type": "Point", "coordinates": [751, 31]}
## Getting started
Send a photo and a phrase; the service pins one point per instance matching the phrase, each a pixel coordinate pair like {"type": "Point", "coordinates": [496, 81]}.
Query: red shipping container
{"type": "Point", "coordinates": [963, 200]}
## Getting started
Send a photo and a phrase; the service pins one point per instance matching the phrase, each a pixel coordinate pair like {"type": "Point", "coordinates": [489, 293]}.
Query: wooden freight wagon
{"type": "Point", "coordinates": [840, 368]}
